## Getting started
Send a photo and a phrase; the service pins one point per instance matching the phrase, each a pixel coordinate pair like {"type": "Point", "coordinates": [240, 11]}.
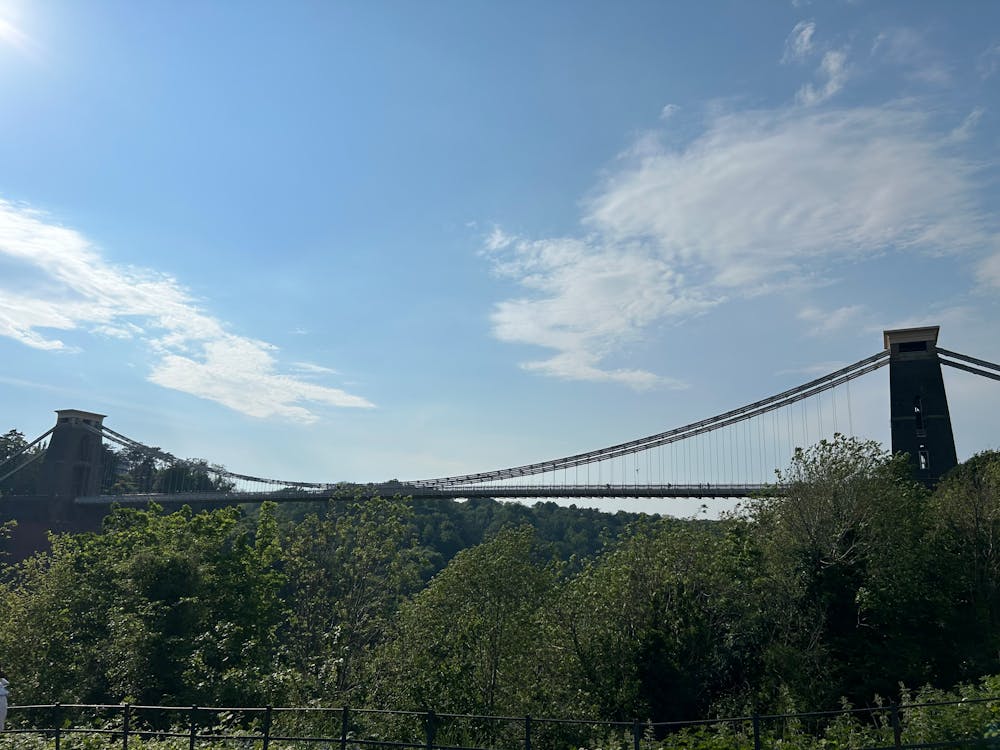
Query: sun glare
{"type": "Point", "coordinates": [11, 33]}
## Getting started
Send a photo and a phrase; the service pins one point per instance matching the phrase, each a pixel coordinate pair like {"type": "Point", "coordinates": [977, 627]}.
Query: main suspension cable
{"type": "Point", "coordinates": [785, 398]}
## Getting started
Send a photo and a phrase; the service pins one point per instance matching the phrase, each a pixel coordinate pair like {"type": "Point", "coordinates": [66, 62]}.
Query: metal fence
{"type": "Point", "coordinates": [953, 724]}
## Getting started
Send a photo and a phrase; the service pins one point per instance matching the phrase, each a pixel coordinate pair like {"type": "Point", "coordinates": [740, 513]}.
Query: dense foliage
{"type": "Point", "coordinates": [852, 581]}
{"type": "Point", "coordinates": [15, 453]}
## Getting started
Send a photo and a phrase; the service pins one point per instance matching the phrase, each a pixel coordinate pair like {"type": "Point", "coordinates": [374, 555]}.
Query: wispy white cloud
{"type": "Point", "coordinates": [988, 271]}
{"type": "Point", "coordinates": [824, 322]}
{"type": "Point", "coordinates": [497, 239]}
{"type": "Point", "coordinates": [761, 200]}
{"type": "Point", "coordinates": [309, 367]}
{"type": "Point", "coordinates": [124, 331]}
{"type": "Point", "coordinates": [586, 300]}
{"type": "Point", "coordinates": [955, 319]}
{"type": "Point", "coordinates": [800, 46]}
{"type": "Point", "coordinates": [964, 131]}
{"type": "Point", "coordinates": [240, 373]}
{"type": "Point", "coordinates": [911, 52]}
{"type": "Point", "coordinates": [192, 351]}
{"type": "Point", "coordinates": [668, 111]}
{"type": "Point", "coordinates": [761, 194]}
{"type": "Point", "coordinates": [21, 315]}
{"type": "Point", "coordinates": [989, 61]}
{"type": "Point", "coordinates": [799, 43]}
{"type": "Point", "coordinates": [833, 67]}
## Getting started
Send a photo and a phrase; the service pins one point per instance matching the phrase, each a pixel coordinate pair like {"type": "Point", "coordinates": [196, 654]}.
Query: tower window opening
{"type": "Point", "coordinates": [923, 460]}
{"type": "Point", "coordinates": [918, 412]}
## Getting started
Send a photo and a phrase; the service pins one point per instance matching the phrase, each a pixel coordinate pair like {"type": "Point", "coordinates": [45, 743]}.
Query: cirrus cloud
{"type": "Point", "coordinates": [833, 67]}
{"type": "Point", "coordinates": [988, 271]}
{"type": "Point", "coordinates": [760, 200]}
{"type": "Point", "coordinates": [799, 43]}
{"type": "Point", "coordinates": [760, 194]}
{"type": "Point", "coordinates": [587, 299]}
{"type": "Point", "coordinates": [74, 288]}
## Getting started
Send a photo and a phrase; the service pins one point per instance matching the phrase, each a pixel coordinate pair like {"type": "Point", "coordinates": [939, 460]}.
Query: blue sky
{"type": "Point", "coordinates": [327, 241]}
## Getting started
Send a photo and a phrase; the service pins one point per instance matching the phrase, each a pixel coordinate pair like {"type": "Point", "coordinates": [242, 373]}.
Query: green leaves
{"type": "Point", "coordinates": [347, 574]}
{"type": "Point", "coordinates": [843, 549]}
{"type": "Point", "coordinates": [662, 624]}
{"type": "Point", "coordinates": [23, 482]}
{"type": "Point", "coordinates": [466, 642]}
{"type": "Point", "coordinates": [158, 608]}
{"type": "Point", "coordinates": [850, 581]}
{"type": "Point", "coordinates": [965, 542]}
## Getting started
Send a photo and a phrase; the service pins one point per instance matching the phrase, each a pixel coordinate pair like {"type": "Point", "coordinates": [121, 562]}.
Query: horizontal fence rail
{"type": "Point", "coordinates": [954, 724]}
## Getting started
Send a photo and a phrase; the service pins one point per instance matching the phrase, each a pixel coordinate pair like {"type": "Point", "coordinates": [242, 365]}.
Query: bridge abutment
{"type": "Point", "coordinates": [37, 516]}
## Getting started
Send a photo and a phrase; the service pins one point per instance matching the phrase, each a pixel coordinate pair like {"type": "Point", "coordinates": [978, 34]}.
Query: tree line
{"type": "Point", "coordinates": [851, 582]}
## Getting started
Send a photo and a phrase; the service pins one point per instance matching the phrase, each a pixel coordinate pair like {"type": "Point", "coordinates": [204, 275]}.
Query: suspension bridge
{"type": "Point", "coordinates": [83, 462]}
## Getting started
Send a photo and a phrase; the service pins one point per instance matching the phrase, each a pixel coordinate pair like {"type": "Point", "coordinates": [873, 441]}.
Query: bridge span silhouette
{"type": "Point", "coordinates": [83, 466]}
{"type": "Point", "coordinates": [393, 489]}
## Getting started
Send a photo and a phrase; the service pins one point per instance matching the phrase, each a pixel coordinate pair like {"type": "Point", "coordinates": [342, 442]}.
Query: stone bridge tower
{"type": "Point", "coordinates": [72, 467]}
{"type": "Point", "coordinates": [73, 462]}
{"type": "Point", "coordinates": [918, 406]}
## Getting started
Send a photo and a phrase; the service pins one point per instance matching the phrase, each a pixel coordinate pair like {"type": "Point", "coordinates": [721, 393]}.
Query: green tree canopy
{"type": "Point", "coordinates": [347, 574]}
{"type": "Point", "coordinates": [845, 558]}
{"type": "Point", "coordinates": [662, 624]}
{"type": "Point", "coordinates": [965, 517]}
{"type": "Point", "coordinates": [176, 607]}
{"type": "Point", "coordinates": [467, 642]}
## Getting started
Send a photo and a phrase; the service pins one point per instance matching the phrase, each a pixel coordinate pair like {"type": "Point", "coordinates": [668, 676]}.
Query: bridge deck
{"type": "Point", "coordinates": [364, 492]}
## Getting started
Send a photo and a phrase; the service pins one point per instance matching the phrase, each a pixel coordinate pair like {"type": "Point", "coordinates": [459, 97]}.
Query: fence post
{"type": "Point", "coordinates": [897, 729]}
{"type": "Point", "coordinates": [267, 726]}
{"type": "Point", "coordinates": [193, 729]}
{"type": "Point", "coordinates": [756, 732]}
{"type": "Point", "coordinates": [58, 715]}
{"type": "Point", "coordinates": [636, 735]}
{"type": "Point", "coordinates": [126, 720]}
{"type": "Point", "coordinates": [343, 727]}
{"type": "Point", "coordinates": [430, 730]}
{"type": "Point", "coordinates": [527, 732]}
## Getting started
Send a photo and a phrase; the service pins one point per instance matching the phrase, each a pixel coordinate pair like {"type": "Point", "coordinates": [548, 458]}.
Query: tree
{"type": "Point", "coordinates": [25, 480]}
{"type": "Point", "coordinates": [965, 517]}
{"type": "Point", "coordinates": [347, 574]}
{"type": "Point", "coordinates": [179, 608]}
{"type": "Point", "coordinates": [661, 625]}
{"type": "Point", "coordinates": [843, 546]}
{"type": "Point", "coordinates": [467, 642]}
{"type": "Point", "coordinates": [135, 471]}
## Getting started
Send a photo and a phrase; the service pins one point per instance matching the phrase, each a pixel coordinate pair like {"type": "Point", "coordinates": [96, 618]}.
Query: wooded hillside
{"type": "Point", "coordinates": [853, 581]}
